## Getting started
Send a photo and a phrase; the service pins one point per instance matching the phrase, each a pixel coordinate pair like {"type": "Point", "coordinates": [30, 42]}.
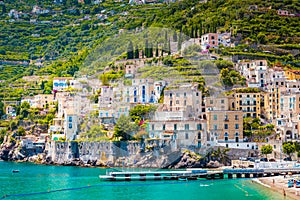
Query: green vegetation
{"type": "Point", "coordinates": [255, 131]}
{"type": "Point", "coordinates": [247, 90]}
{"type": "Point", "coordinates": [141, 112]}
{"type": "Point", "coordinates": [232, 77]}
{"type": "Point", "coordinates": [289, 148]}
{"type": "Point", "coordinates": [125, 128]}
{"type": "Point", "coordinates": [266, 149]}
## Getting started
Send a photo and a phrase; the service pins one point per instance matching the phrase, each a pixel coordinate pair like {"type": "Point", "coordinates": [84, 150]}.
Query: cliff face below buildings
{"type": "Point", "coordinates": [111, 154]}
{"type": "Point", "coordinates": [103, 154]}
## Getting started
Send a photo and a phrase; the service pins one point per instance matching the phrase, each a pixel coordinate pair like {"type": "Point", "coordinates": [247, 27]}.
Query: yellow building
{"type": "Point", "coordinates": [248, 100]}
{"type": "Point", "coordinates": [293, 74]}
{"type": "Point", "coordinates": [271, 104]}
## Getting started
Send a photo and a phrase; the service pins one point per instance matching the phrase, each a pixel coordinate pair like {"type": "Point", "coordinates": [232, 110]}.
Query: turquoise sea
{"type": "Point", "coordinates": [58, 182]}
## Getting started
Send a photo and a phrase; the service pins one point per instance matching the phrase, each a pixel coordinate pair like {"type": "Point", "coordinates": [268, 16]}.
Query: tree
{"type": "Point", "coordinates": [1, 109]}
{"type": "Point", "coordinates": [266, 149]}
{"type": "Point", "coordinates": [136, 52]}
{"type": "Point", "coordinates": [94, 134]}
{"type": "Point", "coordinates": [125, 128]}
{"type": "Point", "coordinates": [130, 51]}
{"type": "Point", "coordinates": [21, 131]}
{"type": "Point", "coordinates": [261, 38]}
{"type": "Point", "coordinates": [13, 125]}
{"type": "Point", "coordinates": [24, 109]}
{"type": "Point", "coordinates": [221, 155]}
{"type": "Point", "coordinates": [289, 148]}
{"type": "Point", "coordinates": [140, 112]}
{"type": "Point", "coordinates": [156, 50]}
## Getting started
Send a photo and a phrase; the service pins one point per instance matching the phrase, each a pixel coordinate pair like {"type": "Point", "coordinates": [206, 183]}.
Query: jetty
{"type": "Point", "coordinates": [195, 174]}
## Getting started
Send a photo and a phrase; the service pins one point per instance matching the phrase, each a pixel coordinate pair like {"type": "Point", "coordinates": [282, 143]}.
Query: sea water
{"type": "Point", "coordinates": [61, 182]}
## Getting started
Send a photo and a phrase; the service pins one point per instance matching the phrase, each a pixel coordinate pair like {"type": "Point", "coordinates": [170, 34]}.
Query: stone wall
{"type": "Point", "coordinates": [107, 152]}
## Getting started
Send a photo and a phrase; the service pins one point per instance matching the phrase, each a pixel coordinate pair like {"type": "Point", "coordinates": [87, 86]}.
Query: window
{"type": "Point", "coordinates": [152, 126]}
{"type": "Point", "coordinates": [197, 94]}
{"type": "Point", "coordinates": [225, 126]}
{"type": "Point", "coordinates": [186, 127]}
{"type": "Point", "coordinates": [184, 94]}
{"type": "Point", "coordinates": [199, 136]}
{"type": "Point", "coordinates": [226, 117]}
{"type": "Point", "coordinates": [184, 102]}
{"type": "Point", "coordinates": [211, 101]}
{"type": "Point", "coordinates": [177, 101]}
{"type": "Point", "coordinates": [186, 136]}
{"type": "Point", "coordinates": [70, 119]}
{"type": "Point", "coordinates": [164, 127]}
{"type": "Point", "coordinates": [175, 127]}
{"type": "Point", "coordinates": [199, 126]}
{"type": "Point", "coordinates": [70, 125]}
{"type": "Point", "coordinates": [222, 101]}
{"type": "Point", "coordinates": [236, 117]}
{"type": "Point", "coordinates": [215, 127]}
{"type": "Point", "coordinates": [170, 94]}
{"type": "Point", "coordinates": [177, 94]}
{"type": "Point", "coordinates": [215, 117]}
{"type": "Point", "coordinates": [236, 126]}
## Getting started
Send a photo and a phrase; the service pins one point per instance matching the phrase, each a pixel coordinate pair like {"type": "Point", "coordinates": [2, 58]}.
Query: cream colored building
{"type": "Point", "coordinates": [44, 101]}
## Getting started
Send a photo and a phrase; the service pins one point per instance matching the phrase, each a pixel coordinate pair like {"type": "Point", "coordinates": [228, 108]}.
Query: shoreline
{"type": "Point", "coordinates": [279, 184]}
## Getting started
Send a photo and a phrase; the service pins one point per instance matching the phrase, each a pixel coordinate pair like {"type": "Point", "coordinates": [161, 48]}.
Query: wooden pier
{"type": "Point", "coordinates": [195, 174]}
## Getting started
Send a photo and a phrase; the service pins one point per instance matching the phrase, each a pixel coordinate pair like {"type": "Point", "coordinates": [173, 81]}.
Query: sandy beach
{"type": "Point", "coordinates": [279, 184]}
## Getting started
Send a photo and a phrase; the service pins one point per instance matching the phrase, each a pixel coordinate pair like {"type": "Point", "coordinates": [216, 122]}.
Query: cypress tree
{"type": "Point", "coordinates": [146, 48]}
{"type": "Point", "coordinates": [136, 52]}
{"type": "Point", "coordinates": [175, 36]}
{"type": "Point", "coordinates": [130, 51]}
{"type": "Point", "coordinates": [169, 47]}
{"type": "Point", "coordinates": [179, 41]}
{"type": "Point", "coordinates": [156, 50]}
{"type": "Point", "coordinates": [192, 32]}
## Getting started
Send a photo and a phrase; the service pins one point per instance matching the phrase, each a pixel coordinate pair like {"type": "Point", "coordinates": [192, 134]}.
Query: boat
{"type": "Point", "coordinates": [297, 184]}
{"type": "Point", "coordinates": [148, 175]}
{"type": "Point", "coordinates": [182, 179]}
{"type": "Point", "coordinates": [15, 171]}
{"type": "Point", "coordinates": [291, 183]}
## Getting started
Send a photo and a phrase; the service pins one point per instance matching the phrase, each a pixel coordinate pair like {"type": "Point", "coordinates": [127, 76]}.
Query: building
{"type": "Point", "coordinates": [248, 100]}
{"type": "Point", "coordinates": [183, 133]}
{"type": "Point", "coordinates": [224, 126]}
{"type": "Point", "coordinates": [209, 40]}
{"type": "Point", "coordinates": [43, 101]}
{"type": "Point", "coordinates": [292, 74]}
{"type": "Point", "coordinates": [183, 98]}
{"type": "Point", "coordinates": [61, 83]}
{"type": "Point", "coordinates": [71, 123]}
{"type": "Point", "coordinates": [142, 91]}
{"type": "Point", "coordinates": [255, 71]}
{"type": "Point", "coordinates": [215, 39]}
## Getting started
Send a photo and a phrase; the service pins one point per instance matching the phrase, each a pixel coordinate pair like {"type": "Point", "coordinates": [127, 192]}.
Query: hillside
{"type": "Point", "coordinates": [59, 39]}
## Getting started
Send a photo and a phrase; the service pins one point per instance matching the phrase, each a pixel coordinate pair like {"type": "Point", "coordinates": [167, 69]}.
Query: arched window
{"type": "Point", "coordinates": [226, 136]}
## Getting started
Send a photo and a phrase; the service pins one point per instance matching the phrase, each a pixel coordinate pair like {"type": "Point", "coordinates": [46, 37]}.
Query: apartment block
{"type": "Point", "coordinates": [249, 101]}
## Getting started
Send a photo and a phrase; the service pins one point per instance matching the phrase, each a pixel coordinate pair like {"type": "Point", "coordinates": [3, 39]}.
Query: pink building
{"type": "Point", "coordinates": [209, 40]}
